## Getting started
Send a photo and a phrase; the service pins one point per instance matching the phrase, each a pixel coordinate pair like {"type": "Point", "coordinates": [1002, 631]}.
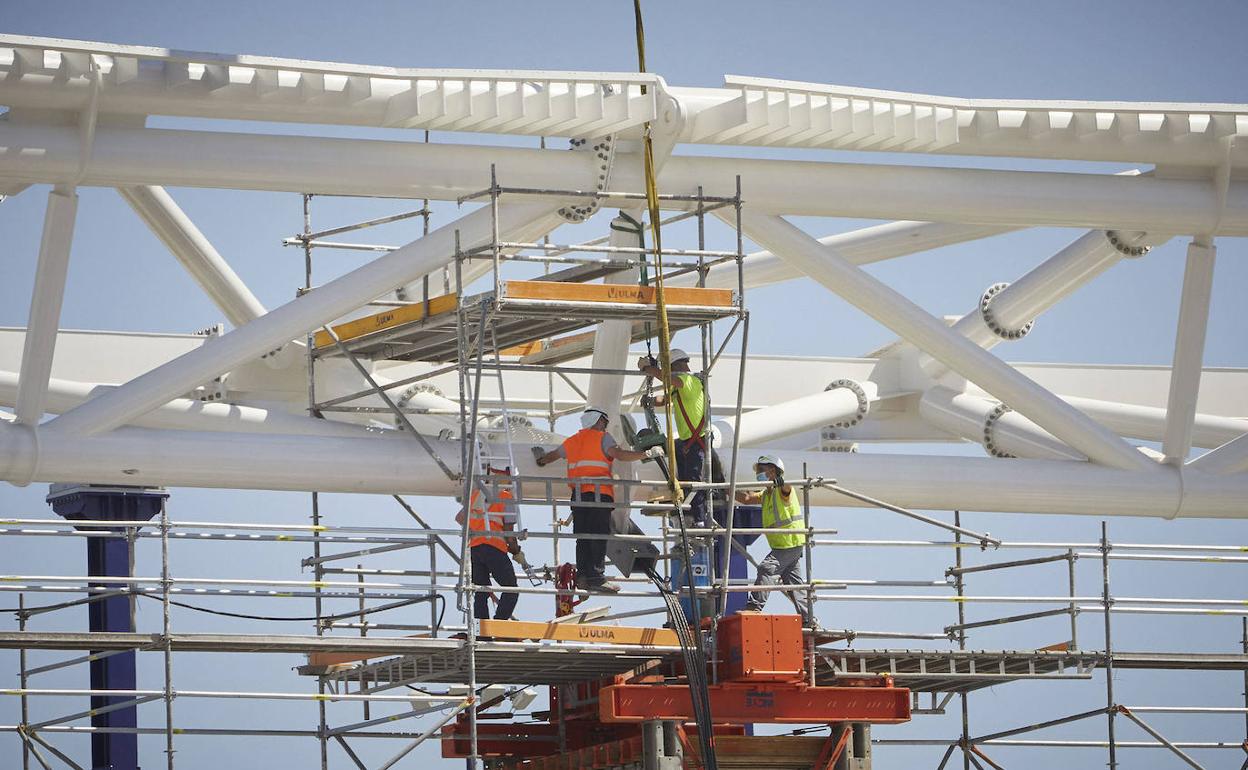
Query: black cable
{"type": "Point", "coordinates": [305, 619]}
{"type": "Point", "coordinates": [42, 607]}
{"type": "Point", "coordinates": [695, 668]}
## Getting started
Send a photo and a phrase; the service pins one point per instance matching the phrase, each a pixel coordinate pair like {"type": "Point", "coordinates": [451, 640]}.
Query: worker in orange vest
{"type": "Point", "coordinates": [591, 453]}
{"type": "Point", "coordinates": [490, 552]}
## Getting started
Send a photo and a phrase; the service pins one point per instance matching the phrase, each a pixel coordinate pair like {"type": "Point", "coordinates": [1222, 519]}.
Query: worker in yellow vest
{"type": "Point", "coordinates": [781, 510]}
{"type": "Point", "coordinates": [591, 453]}
{"type": "Point", "coordinates": [689, 412]}
{"type": "Point", "coordinates": [491, 549]}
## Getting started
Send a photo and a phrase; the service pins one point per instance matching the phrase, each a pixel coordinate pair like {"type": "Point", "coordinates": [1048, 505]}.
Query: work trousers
{"type": "Point", "coordinates": [690, 465]}
{"type": "Point", "coordinates": [781, 565]}
{"type": "Point", "coordinates": [489, 562]}
{"type": "Point", "coordinates": [591, 554]}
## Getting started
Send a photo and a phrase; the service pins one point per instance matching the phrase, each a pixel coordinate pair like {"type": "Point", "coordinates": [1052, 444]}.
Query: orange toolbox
{"type": "Point", "coordinates": [760, 648]}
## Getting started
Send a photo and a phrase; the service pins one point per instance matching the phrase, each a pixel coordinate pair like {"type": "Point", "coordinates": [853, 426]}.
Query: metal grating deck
{"type": "Point", "coordinates": [446, 662]}
{"type": "Point", "coordinates": [954, 670]}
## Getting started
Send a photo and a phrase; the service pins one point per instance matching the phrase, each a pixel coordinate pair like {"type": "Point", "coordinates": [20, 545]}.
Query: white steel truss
{"type": "Point", "coordinates": [935, 384]}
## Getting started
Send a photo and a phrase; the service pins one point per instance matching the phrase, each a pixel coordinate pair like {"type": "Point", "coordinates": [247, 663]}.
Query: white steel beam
{"type": "Point", "coordinates": [929, 334]}
{"type": "Point", "coordinates": [396, 465]}
{"type": "Point", "coordinates": [1042, 287]}
{"type": "Point", "coordinates": [44, 73]}
{"type": "Point", "coordinates": [612, 338]}
{"type": "Point", "coordinates": [862, 247]}
{"type": "Point", "coordinates": [760, 427]}
{"type": "Point", "coordinates": [185, 241]}
{"type": "Point", "coordinates": [290, 321]}
{"type": "Point", "coordinates": [45, 304]}
{"type": "Point", "coordinates": [1231, 457]}
{"type": "Point", "coordinates": [1006, 313]}
{"type": "Point", "coordinates": [1148, 423]}
{"type": "Point", "coordinates": [1189, 351]}
{"type": "Point", "coordinates": [126, 157]}
{"type": "Point", "coordinates": [977, 419]}
{"type": "Point", "coordinates": [189, 414]}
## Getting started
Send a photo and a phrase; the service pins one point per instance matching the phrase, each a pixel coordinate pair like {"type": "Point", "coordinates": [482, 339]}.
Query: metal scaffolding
{"type": "Point", "coordinates": [934, 674]}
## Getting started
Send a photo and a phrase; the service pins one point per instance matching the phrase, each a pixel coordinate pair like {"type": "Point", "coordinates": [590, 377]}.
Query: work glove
{"type": "Point", "coordinates": [779, 481]}
{"type": "Point", "coordinates": [538, 454]}
{"type": "Point", "coordinates": [654, 452]}
{"type": "Point", "coordinates": [645, 361]}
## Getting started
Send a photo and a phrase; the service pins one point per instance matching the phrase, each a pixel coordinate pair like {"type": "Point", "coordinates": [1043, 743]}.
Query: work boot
{"type": "Point", "coordinates": [606, 587]}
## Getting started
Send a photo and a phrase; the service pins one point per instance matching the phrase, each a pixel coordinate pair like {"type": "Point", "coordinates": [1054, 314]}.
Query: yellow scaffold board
{"type": "Point", "coordinates": [386, 319]}
{"type": "Point", "coordinates": [578, 632]}
{"type": "Point", "coordinates": [614, 293]}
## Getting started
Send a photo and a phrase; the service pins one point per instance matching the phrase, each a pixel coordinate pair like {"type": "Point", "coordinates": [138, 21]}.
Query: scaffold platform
{"type": "Point", "coordinates": [521, 313]}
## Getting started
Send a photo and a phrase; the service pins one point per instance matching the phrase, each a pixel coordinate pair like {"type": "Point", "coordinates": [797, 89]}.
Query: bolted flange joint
{"type": "Point", "coordinates": [405, 398]}
{"type": "Point", "coordinates": [604, 155]}
{"type": "Point", "coordinates": [990, 444]}
{"type": "Point", "coordinates": [990, 320]}
{"type": "Point", "coordinates": [1125, 249]}
{"type": "Point", "coordinates": [864, 404]}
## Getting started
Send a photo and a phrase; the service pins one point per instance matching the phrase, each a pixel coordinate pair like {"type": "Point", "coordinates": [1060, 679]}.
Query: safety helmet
{"type": "Point", "coordinates": [591, 416]}
{"type": "Point", "coordinates": [769, 460]}
{"type": "Point", "coordinates": [678, 355]}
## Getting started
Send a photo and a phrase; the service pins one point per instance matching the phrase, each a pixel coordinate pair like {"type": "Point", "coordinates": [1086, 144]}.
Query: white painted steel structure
{"type": "Point", "coordinates": [130, 409]}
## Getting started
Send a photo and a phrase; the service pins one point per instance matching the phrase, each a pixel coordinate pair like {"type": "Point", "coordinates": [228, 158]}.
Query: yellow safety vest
{"type": "Point", "coordinates": [690, 406]}
{"type": "Point", "coordinates": [783, 514]}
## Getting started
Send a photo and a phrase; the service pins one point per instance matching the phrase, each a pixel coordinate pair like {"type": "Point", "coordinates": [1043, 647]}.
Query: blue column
{"type": "Point", "coordinates": [745, 517]}
{"type": "Point", "coordinates": [110, 556]}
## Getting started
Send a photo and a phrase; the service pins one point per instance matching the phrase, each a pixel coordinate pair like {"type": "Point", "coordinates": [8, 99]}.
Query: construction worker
{"type": "Point", "coordinates": [490, 552]}
{"type": "Point", "coordinates": [781, 510]}
{"type": "Point", "coordinates": [689, 411]}
{"type": "Point", "coordinates": [590, 454]}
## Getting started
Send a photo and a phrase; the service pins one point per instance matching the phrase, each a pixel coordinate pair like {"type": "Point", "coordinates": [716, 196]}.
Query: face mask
{"type": "Point", "coordinates": [761, 476]}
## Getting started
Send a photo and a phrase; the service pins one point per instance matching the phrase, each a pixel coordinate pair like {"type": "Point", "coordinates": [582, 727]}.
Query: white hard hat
{"type": "Point", "coordinates": [678, 355]}
{"type": "Point", "coordinates": [769, 460]}
{"type": "Point", "coordinates": [591, 416]}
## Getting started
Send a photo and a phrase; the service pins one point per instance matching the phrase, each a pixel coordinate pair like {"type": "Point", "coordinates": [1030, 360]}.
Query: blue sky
{"type": "Point", "coordinates": [121, 278]}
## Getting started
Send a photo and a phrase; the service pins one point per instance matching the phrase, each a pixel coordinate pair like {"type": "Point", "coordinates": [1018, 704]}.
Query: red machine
{"type": "Point", "coordinates": [762, 678]}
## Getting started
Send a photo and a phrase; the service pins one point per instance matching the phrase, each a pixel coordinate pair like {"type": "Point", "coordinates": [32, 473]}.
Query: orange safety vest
{"type": "Point", "coordinates": [478, 516]}
{"type": "Point", "coordinates": [587, 460]}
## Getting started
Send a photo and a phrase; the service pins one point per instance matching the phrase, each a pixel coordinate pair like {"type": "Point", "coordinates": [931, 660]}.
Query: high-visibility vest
{"type": "Point", "coordinates": [587, 460]}
{"type": "Point", "coordinates": [690, 402]}
{"type": "Point", "coordinates": [783, 514]}
{"type": "Point", "coordinates": [481, 520]}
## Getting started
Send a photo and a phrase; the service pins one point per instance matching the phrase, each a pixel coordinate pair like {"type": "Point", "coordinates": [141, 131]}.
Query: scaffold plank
{"type": "Point", "coordinates": [578, 632]}
{"type": "Point", "coordinates": [387, 319]}
{"type": "Point", "coordinates": [614, 293]}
